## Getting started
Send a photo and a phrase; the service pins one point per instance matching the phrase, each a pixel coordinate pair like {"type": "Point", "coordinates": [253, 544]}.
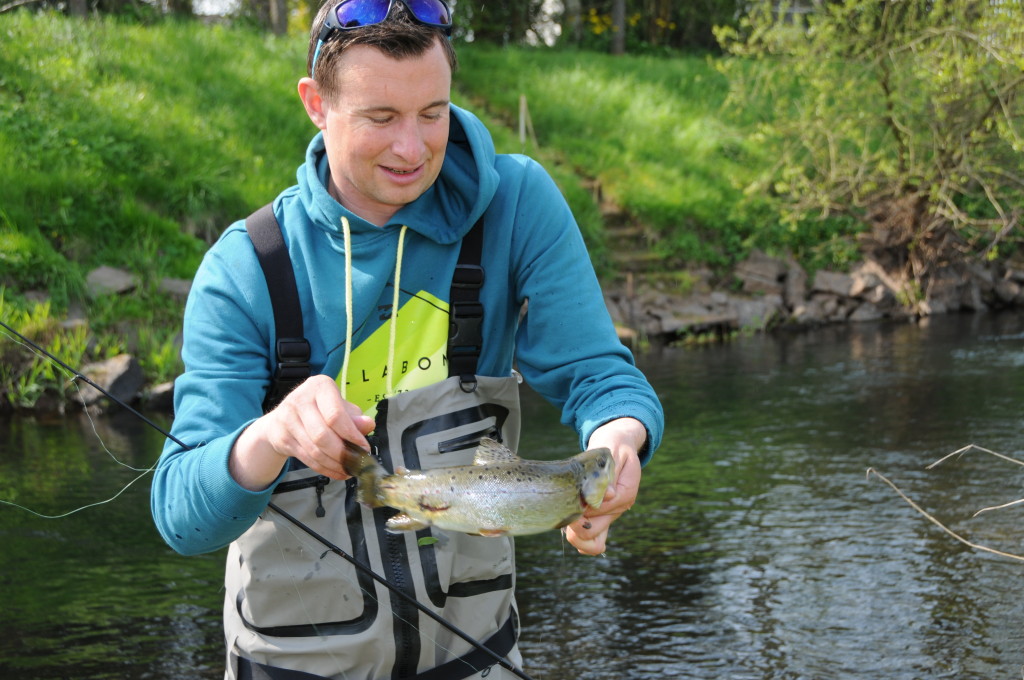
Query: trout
{"type": "Point", "coordinates": [499, 494]}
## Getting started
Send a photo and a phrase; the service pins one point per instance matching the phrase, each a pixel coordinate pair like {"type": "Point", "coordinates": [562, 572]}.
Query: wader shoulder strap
{"type": "Point", "coordinates": [465, 333]}
{"type": "Point", "coordinates": [292, 348]}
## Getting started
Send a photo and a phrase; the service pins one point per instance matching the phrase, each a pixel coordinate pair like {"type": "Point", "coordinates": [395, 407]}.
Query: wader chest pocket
{"type": "Point", "coordinates": [468, 441]}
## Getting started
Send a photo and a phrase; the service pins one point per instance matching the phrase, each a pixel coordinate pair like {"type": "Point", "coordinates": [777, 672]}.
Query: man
{"type": "Point", "coordinates": [395, 187]}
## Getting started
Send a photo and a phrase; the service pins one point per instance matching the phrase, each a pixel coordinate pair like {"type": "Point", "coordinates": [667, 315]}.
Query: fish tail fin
{"type": "Point", "coordinates": [358, 463]}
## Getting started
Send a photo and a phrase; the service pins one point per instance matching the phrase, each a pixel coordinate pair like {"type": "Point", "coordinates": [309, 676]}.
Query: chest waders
{"type": "Point", "coordinates": [295, 612]}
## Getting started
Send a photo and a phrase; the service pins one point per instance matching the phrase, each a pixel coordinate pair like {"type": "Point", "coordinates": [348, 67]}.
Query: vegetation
{"type": "Point", "coordinates": [903, 117]}
{"type": "Point", "coordinates": [107, 158]}
{"type": "Point", "coordinates": [647, 130]}
{"type": "Point", "coordinates": [608, 25]}
{"type": "Point", "coordinates": [633, 26]}
{"type": "Point", "coordinates": [793, 143]}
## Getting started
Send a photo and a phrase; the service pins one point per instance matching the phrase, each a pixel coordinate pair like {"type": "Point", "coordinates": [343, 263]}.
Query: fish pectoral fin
{"type": "Point", "coordinates": [433, 503]}
{"type": "Point", "coordinates": [492, 533]}
{"type": "Point", "coordinates": [403, 522]}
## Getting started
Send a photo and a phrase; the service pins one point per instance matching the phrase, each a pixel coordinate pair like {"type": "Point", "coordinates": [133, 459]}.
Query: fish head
{"type": "Point", "coordinates": [598, 472]}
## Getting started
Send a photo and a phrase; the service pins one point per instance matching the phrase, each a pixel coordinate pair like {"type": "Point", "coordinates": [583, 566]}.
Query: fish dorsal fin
{"type": "Point", "coordinates": [490, 452]}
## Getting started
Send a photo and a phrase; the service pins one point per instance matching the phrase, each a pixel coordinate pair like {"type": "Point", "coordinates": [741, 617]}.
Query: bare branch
{"type": "Point", "coordinates": [999, 507]}
{"type": "Point", "coordinates": [930, 518]}
{"type": "Point", "coordinates": [972, 447]}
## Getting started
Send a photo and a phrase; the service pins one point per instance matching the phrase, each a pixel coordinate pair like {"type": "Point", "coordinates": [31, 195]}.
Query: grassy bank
{"type": "Point", "coordinates": [648, 130]}
{"type": "Point", "coordinates": [128, 146]}
{"type": "Point", "coordinates": [134, 146]}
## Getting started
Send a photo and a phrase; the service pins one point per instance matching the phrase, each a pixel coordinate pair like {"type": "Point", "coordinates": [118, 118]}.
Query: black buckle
{"type": "Point", "coordinates": [292, 361]}
{"type": "Point", "coordinates": [468, 276]}
{"type": "Point", "coordinates": [293, 350]}
{"type": "Point", "coordinates": [465, 333]}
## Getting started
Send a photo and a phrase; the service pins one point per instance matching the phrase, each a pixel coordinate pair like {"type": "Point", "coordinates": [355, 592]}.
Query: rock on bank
{"type": "Point", "coordinates": [772, 292]}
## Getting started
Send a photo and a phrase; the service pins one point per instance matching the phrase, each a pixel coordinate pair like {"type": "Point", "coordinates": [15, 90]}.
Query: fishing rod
{"type": "Point", "coordinates": [84, 378]}
{"type": "Point", "coordinates": [500, 660]}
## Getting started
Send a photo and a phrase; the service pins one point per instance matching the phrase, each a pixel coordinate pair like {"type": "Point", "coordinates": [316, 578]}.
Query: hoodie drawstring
{"type": "Point", "coordinates": [389, 386]}
{"type": "Point", "coordinates": [347, 232]}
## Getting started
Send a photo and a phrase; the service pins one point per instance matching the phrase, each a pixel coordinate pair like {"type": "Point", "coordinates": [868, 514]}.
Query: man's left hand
{"type": "Point", "coordinates": [624, 437]}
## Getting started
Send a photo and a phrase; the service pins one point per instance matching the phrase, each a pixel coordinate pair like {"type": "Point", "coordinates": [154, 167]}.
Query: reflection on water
{"type": "Point", "coordinates": [758, 548]}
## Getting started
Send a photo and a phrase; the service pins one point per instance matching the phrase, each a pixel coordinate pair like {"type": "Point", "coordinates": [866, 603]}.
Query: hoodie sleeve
{"type": "Point", "coordinates": [566, 346]}
{"type": "Point", "coordinates": [196, 504]}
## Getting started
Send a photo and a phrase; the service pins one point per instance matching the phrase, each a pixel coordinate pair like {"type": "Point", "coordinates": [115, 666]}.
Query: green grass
{"type": "Point", "coordinates": [113, 134]}
{"type": "Point", "coordinates": [135, 146]}
{"type": "Point", "coordinates": [650, 130]}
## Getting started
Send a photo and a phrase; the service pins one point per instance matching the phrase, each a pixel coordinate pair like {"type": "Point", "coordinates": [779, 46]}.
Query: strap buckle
{"type": "Point", "coordinates": [292, 369]}
{"type": "Point", "coordinates": [468, 276]}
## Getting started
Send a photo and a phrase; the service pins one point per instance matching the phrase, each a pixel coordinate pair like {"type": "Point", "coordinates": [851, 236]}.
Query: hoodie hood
{"type": "Point", "coordinates": [444, 213]}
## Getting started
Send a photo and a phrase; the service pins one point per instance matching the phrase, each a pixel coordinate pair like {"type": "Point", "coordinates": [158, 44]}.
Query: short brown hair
{"type": "Point", "coordinates": [399, 36]}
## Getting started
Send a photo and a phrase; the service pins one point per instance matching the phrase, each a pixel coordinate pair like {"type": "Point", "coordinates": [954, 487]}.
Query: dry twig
{"type": "Point", "coordinates": [931, 518]}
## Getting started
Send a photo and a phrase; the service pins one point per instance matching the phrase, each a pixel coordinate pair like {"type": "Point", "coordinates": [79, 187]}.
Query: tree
{"type": "Point", "coordinates": [572, 22]}
{"type": "Point", "coordinates": [503, 23]}
{"type": "Point", "coordinates": [619, 27]}
{"type": "Point", "coordinates": [645, 24]}
{"type": "Point", "coordinates": [278, 16]}
{"type": "Point", "coordinates": [904, 115]}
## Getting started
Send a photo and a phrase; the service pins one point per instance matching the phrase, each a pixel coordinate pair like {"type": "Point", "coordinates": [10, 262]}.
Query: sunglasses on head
{"type": "Point", "coordinates": [351, 14]}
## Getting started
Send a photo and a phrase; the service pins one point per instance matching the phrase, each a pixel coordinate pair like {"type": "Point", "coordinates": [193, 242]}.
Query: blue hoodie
{"type": "Point", "coordinates": [564, 346]}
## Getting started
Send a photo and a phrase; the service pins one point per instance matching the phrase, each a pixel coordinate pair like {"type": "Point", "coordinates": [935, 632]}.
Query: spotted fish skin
{"type": "Point", "coordinates": [499, 494]}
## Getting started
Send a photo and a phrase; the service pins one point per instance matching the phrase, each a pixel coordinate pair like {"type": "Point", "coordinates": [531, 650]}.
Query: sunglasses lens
{"type": "Point", "coordinates": [432, 12]}
{"type": "Point", "coordinates": [356, 13]}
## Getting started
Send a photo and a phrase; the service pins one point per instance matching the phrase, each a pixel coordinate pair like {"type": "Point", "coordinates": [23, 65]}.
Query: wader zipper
{"type": "Point", "coordinates": [318, 482]}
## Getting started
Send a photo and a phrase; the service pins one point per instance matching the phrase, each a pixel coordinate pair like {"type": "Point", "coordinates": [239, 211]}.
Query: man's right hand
{"type": "Point", "coordinates": [312, 424]}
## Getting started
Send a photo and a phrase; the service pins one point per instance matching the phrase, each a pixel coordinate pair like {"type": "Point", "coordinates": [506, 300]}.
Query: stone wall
{"type": "Point", "coordinates": [773, 292]}
{"type": "Point", "coordinates": [769, 293]}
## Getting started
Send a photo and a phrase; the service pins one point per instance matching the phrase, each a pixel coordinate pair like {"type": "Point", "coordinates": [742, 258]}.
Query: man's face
{"type": "Point", "coordinates": [386, 133]}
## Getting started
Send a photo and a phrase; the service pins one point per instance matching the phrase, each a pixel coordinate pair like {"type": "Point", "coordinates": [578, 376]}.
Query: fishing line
{"type": "Point", "coordinates": [79, 376]}
{"type": "Point", "coordinates": [501, 661]}
{"type": "Point", "coordinates": [84, 507]}
{"type": "Point", "coordinates": [92, 423]}
{"type": "Point", "coordinates": [372, 594]}
{"type": "Point", "coordinates": [40, 352]}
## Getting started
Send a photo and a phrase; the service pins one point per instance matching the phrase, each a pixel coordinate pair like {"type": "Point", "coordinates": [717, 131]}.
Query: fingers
{"type": "Point", "coordinates": [313, 423]}
{"type": "Point", "coordinates": [589, 535]}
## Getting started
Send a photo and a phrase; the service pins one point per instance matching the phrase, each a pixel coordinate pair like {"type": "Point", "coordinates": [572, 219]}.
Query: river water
{"type": "Point", "coordinates": [759, 547]}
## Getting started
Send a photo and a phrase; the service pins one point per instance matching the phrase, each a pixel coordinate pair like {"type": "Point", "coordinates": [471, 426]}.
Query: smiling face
{"type": "Point", "coordinates": [387, 129]}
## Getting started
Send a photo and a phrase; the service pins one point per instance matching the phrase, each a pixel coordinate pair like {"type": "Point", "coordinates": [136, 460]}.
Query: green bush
{"type": "Point", "coordinates": [902, 115]}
